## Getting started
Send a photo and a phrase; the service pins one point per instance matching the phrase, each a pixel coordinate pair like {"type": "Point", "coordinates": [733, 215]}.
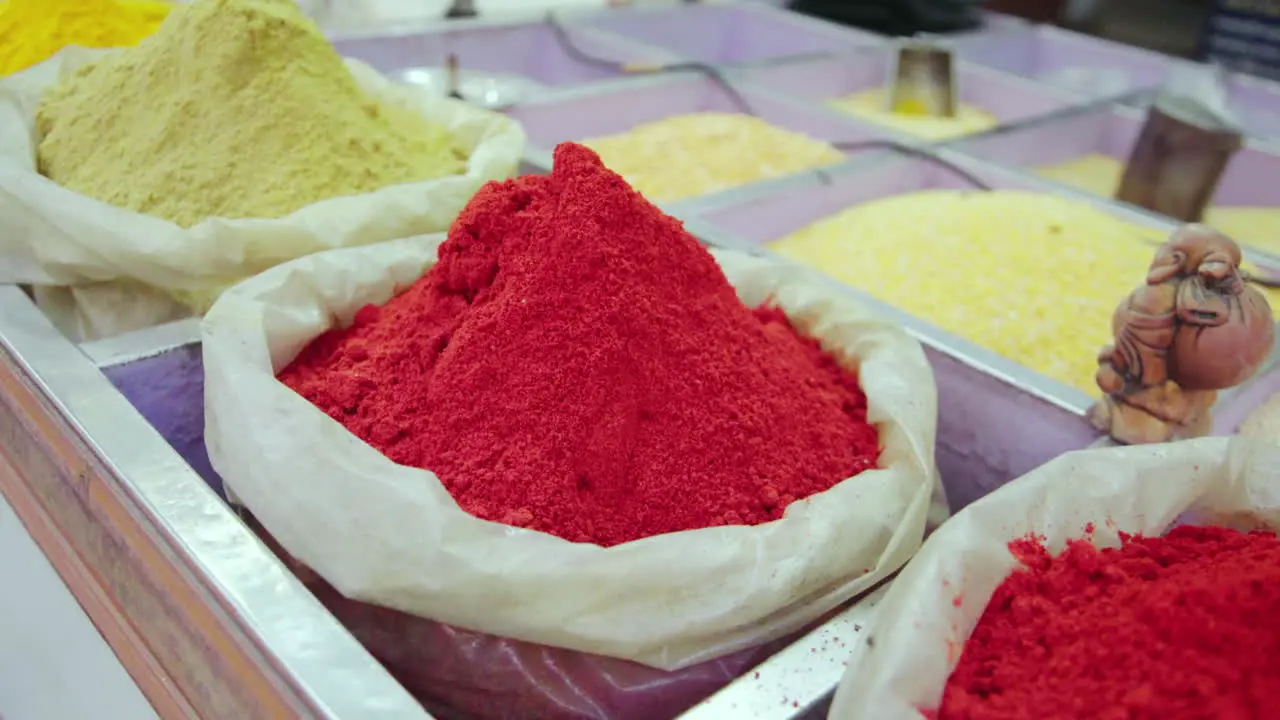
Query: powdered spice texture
{"type": "Point", "coordinates": [1180, 627]}
{"type": "Point", "coordinates": [577, 363]}
{"type": "Point", "coordinates": [32, 31]}
{"type": "Point", "coordinates": [234, 109]}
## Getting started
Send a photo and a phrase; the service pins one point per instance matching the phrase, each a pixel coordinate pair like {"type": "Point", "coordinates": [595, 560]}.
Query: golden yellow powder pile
{"type": "Point", "coordinates": [234, 109]}
{"type": "Point", "coordinates": [1034, 277]}
{"type": "Point", "coordinates": [32, 31]}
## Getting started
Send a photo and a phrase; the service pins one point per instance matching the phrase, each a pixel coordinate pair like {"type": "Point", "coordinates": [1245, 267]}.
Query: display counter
{"type": "Point", "coordinates": [103, 442]}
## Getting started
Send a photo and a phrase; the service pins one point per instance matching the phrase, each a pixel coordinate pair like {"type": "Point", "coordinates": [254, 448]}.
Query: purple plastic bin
{"type": "Point", "coordinates": [1008, 97]}
{"type": "Point", "coordinates": [1045, 53]}
{"type": "Point", "coordinates": [1250, 179]}
{"type": "Point", "coordinates": [731, 33]}
{"type": "Point", "coordinates": [451, 671]}
{"type": "Point", "coordinates": [168, 390]}
{"type": "Point", "coordinates": [616, 109]}
{"type": "Point", "coordinates": [990, 430]}
{"type": "Point", "coordinates": [532, 50]}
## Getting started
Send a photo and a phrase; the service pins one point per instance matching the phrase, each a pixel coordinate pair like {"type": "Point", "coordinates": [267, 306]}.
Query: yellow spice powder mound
{"type": "Point", "coordinates": [1031, 276]}
{"type": "Point", "coordinates": [32, 31]}
{"type": "Point", "coordinates": [234, 109]}
{"type": "Point", "coordinates": [1099, 174]}
{"type": "Point", "coordinates": [869, 105]}
{"type": "Point", "coordinates": [700, 153]}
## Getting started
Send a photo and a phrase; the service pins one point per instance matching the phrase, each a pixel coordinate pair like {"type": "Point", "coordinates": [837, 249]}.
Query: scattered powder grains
{"type": "Point", "coordinates": [234, 108]}
{"type": "Point", "coordinates": [32, 31]}
{"type": "Point", "coordinates": [706, 152]}
{"type": "Point", "coordinates": [1180, 627]}
{"type": "Point", "coordinates": [577, 363]}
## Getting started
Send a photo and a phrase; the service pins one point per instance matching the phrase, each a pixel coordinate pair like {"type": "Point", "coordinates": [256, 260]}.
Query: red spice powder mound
{"type": "Point", "coordinates": [577, 363]}
{"type": "Point", "coordinates": [1185, 626]}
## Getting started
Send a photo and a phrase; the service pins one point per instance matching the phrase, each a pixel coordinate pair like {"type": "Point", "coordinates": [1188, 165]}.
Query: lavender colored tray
{"type": "Point", "coordinates": [1045, 53]}
{"type": "Point", "coordinates": [532, 50]}
{"type": "Point", "coordinates": [1250, 179]}
{"type": "Point", "coordinates": [616, 108]}
{"type": "Point", "coordinates": [730, 32]}
{"type": "Point", "coordinates": [1008, 97]}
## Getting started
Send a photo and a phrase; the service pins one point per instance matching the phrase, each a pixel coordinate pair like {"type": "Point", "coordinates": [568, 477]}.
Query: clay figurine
{"type": "Point", "coordinates": [1195, 327]}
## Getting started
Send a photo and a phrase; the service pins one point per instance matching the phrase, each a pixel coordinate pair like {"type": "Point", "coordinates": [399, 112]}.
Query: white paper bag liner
{"type": "Point", "coordinates": [919, 630]}
{"type": "Point", "coordinates": [50, 235]}
{"type": "Point", "coordinates": [392, 535]}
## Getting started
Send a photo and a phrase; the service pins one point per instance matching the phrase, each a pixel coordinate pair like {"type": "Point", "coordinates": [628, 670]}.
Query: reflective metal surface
{"type": "Point", "coordinates": [219, 627]}
{"type": "Point", "coordinates": [797, 682]}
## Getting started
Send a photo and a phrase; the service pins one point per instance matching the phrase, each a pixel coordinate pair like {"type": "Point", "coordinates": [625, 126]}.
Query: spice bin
{"type": "Point", "coordinates": [971, 379]}
{"type": "Point", "coordinates": [1069, 60]}
{"type": "Point", "coordinates": [1110, 129]}
{"type": "Point", "coordinates": [1008, 97]}
{"type": "Point", "coordinates": [616, 107]}
{"type": "Point", "coordinates": [729, 33]}
{"type": "Point", "coordinates": [532, 50]}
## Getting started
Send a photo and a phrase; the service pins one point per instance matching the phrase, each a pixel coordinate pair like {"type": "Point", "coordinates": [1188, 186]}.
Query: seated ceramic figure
{"type": "Point", "coordinates": [1195, 327]}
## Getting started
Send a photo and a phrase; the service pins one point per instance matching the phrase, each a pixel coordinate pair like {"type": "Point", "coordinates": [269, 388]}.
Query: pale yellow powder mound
{"type": "Point", "coordinates": [688, 155]}
{"type": "Point", "coordinates": [234, 109]}
{"type": "Point", "coordinates": [1258, 227]}
{"type": "Point", "coordinates": [870, 106]}
{"type": "Point", "coordinates": [1034, 277]}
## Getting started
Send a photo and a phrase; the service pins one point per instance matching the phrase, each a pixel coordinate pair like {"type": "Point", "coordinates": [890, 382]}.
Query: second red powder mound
{"type": "Point", "coordinates": [577, 363]}
{"type": "Point", "coordinates": [1181, 627]}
